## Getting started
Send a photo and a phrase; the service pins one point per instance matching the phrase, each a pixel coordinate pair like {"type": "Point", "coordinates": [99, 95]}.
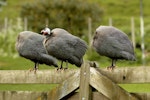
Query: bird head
{"type": "Point", "coordinates": [46, 31]}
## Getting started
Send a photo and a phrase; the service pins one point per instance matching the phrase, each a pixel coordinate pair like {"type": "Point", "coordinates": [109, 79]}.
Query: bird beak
{"type": "Point", "coordinates": [43, 32]}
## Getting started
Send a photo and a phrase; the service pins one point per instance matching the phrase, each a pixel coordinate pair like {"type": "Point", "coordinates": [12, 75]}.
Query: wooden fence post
{"type": "Point", "coordinates": [84, 91]}
{"type": "Point", "coordinates": [110, 21]}
{"type": "Point", "coordinates": [66, 87]}
{"type": "Point", "coordinates": [108, 88]}
{"type": "Point", "coordinates": [133, 31]}
{"type": "Point", "coordinates": [89, 31]}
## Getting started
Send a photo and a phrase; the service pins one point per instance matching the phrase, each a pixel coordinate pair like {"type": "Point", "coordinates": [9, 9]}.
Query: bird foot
{"type": "Point", "coordinates": [61, 69]}
{"type": "Point", "coordinates": [65, 68]}
{"type": "Point", "coordinates": [33, 69]}
{"type": "Point", "coordinates": [93, 64]}
{"type": "Point", "coordinates": [110, 68]}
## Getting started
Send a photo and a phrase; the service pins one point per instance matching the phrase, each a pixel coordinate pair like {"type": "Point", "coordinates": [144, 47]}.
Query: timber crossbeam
{"type": "Point", "coordinates": [86, 83]}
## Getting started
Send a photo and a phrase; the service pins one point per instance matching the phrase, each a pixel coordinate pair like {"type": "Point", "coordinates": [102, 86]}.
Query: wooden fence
{"type": "Point", "coordinates": [87, 83]}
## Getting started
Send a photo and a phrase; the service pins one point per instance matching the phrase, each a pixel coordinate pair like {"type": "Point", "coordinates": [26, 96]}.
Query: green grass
{"type": "Point", "coordinates": [20, 63]}
{"type": "Point", "coordinates": [134, 88]}
{"type": "Point", "coordinates": [141, 88]}
{"type": "Point", "coordinates": [27, 87]}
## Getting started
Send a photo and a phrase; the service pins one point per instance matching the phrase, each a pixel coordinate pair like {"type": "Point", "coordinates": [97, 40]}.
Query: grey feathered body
{"type": "Point", "coordinates": [65, 47]}
{"type": "Point", "coordinates": [113, 43]}
{"type": "Point", "coordinates": [30, 45]}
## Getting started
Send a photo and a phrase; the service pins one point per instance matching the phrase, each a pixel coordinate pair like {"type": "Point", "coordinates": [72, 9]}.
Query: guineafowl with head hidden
{"type": "Point", "coordinates": [113, 43]}
{"type": "Point", "coordinates": [30, 46]}
{"type": "Point", "coordinates": [64, 46]}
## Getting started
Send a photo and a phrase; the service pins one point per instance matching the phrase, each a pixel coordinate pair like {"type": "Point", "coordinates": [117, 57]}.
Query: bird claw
{"type": "Point", "coordinates": [65, 68]}
{"type": "Point", "coordinates": [33, 69]}
{"type": "Point", "coordinates": [93, 64]}
{"type": "Point", "coordinates": [110, 68]}
{"type": "Point", "coordinates": [61, 69]}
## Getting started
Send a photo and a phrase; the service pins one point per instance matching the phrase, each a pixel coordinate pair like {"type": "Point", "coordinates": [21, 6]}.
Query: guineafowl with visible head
{"type": "Point", "coordinates": [113, 43]}
{"type": "Point", "coordinates": [30, 45]}
{"type": "Point", "coordinates": [64, 46]}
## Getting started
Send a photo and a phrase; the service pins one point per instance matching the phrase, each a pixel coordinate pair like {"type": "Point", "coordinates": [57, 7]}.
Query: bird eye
{"type": "Point", "coordinates": [96, 32]}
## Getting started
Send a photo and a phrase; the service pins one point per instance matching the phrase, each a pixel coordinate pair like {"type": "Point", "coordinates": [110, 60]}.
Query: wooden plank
{"type": "Point", "coordinates": [118, 75]}
{"type": "Point", "coordinates": [22, 95]}
{"type": "Point", "coordinates": [128, 74]}
{"type": "Point", "coordinates": [95, 96]}
{"type": "Point", "coordinates": [98, 96]}
{"type": "Point", "coordinates": [84, 82]}
{"type": "Point", "coordinates": [37, 95]}
{"type": "Point", "coordinates": [66, 87]}
{"type": "Point", "coordinates": [42, 76]}
{"type": "Point", "coordinates": [107, 87]}
{"type": "Point", "coordinates": [142, 96]}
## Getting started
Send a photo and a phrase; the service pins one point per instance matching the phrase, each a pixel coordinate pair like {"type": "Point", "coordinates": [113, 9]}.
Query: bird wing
{"type": "Point", "coordinates": [76, 50]}
{"type": "Point", "coordinates": [31, 47]}
{"type": "Point", "coordinates": [117, 47]}
{"type": "Point", "coordinates": [67, 47]}
{"type": "Point", "coordinates": [77, 46]}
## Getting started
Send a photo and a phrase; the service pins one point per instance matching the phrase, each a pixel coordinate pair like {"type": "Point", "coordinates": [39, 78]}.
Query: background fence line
{"type": "Point", "coordinates": [24, 24]}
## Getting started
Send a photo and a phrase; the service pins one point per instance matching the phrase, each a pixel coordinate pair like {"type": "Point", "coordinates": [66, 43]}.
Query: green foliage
{"type": "Point", "coordinates": [8, 40]}
{"type": "Point", "coordinates": [71, 15]}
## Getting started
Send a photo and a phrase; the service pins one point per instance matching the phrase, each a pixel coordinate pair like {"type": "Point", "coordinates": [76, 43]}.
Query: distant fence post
{"type": "Point", "coordinates": [142, 32]}
{"type": "Point", "coordinates": [47, 22]}
{"type": "Point", "coordinates": [133, 31]}
{"type": "Point", "coordinates": [110, 21]}
{"type": "Point", "coordinates": [25, 24]}
{"type": "Point", "coordinates": [5, 28]}
{"type": "Point", "coordinates": [5, 24]}
{"type": "Point", "coordinates": [89, 30]}
{"type": "Point", "coordinates": [19, 22]}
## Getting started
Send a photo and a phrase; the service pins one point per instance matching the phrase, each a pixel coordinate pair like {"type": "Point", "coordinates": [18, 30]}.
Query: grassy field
{"type": "Point", "coordinates": [20, 63]}
{"type": "Point", "coordinates": [27, 87]}
{"type": "Point", "coordinates": [140, 88]}
{"type": "Point", "coordinates": [136, 88]}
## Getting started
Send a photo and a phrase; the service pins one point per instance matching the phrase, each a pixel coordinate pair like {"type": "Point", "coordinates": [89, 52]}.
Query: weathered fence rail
{"type": "Point", "coordinates": [22, 95]}
{"type": "Point", "coordinates": [118, 75]}
{"type": "Point", "coordinates": [42, 76]}
{"type": "Point", "coordinates": [104, 82]}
